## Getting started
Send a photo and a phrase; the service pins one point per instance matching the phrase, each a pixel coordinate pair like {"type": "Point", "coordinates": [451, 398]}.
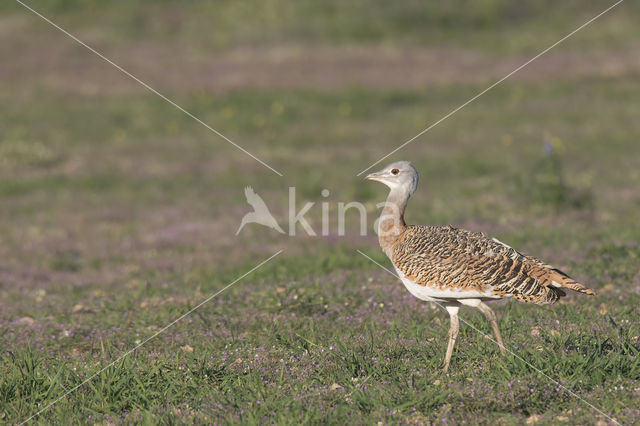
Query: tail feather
{"type": "Point", "coordinates": [557, 278]}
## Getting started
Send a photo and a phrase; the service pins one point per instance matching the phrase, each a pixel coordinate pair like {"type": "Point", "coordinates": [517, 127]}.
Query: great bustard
{"type": "Point", "coordinates": [455, 267]}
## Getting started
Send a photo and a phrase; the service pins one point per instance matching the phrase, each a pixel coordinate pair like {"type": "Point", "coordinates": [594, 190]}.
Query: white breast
{"type": "Point", "coordinates": [431, 294]}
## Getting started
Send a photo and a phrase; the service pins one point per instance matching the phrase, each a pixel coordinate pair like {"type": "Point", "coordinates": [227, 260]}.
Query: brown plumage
{"type": "Point", "coordinates": [456, 267]}
{"type": "Point", "coordinates": [447, 257]}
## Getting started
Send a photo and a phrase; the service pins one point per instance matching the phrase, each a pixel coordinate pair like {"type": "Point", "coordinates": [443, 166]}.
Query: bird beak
{"type": "Point", "coordinates": [375, 176]}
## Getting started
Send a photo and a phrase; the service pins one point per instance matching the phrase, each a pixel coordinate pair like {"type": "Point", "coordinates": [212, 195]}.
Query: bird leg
{"type": "Point", "coordinates": [491, 317]}
{"type": "Point", "coordinates": [454, 327]}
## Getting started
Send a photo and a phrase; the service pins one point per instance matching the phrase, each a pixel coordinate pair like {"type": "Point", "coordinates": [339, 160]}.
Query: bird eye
{"type": "Point", "coordinates": [395, 171]}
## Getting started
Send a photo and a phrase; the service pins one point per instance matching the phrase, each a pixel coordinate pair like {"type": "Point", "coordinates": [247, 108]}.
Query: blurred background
{"type": "Point", "coordinates": [112, 198]}
{"type": "Point", "coordinates": [94, 166]}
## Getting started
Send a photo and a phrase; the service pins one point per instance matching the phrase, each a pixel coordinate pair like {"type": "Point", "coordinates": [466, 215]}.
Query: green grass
{"type": "Point", "coordinates": [321, 334]}
{"type": "Point", "coordinates": [492, 25]}
{"type": "Point", "coordinates": [119, 215]}
{"type": "Point", "coordinates": [287, 344]}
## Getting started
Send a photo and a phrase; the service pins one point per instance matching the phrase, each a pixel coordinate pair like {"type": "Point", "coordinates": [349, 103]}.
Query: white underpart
{"type": "Point", "coordinates": [474, 303]}
{"type": "Point", "coordinates": [431, 294]}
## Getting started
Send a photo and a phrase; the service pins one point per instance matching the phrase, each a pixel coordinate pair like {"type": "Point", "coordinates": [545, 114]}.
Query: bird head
{"type": "Point", "coordinates": [398, 175]}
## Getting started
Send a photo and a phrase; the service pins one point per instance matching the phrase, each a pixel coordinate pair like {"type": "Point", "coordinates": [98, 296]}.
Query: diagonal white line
{"type": "Point", "coordinates": [493, 85]}
{"type": "Point", "coordinates": [128, 74]}
{"type": "Point", "coordinates": [542, 373]}
{"type": "Point", "coordinates": [162, 330]}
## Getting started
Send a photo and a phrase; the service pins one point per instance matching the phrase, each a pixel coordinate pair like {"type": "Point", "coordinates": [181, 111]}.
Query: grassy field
{"type": "Point", "coordinates": [119, 212]}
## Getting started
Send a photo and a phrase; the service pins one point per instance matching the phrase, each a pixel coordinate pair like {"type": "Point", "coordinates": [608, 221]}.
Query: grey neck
{"type": "Point", "coordinates": [392, 222]}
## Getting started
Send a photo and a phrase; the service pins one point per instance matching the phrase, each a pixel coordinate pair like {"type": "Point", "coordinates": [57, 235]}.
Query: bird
{"type": "Point", "coordinates": [260, 213]}
{"type": "Point", "coordinates": [455, 267]}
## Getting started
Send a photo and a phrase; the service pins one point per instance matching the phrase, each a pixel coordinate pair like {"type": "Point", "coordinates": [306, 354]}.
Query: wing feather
{"type": "Point", "coordinates": [446, 257]}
